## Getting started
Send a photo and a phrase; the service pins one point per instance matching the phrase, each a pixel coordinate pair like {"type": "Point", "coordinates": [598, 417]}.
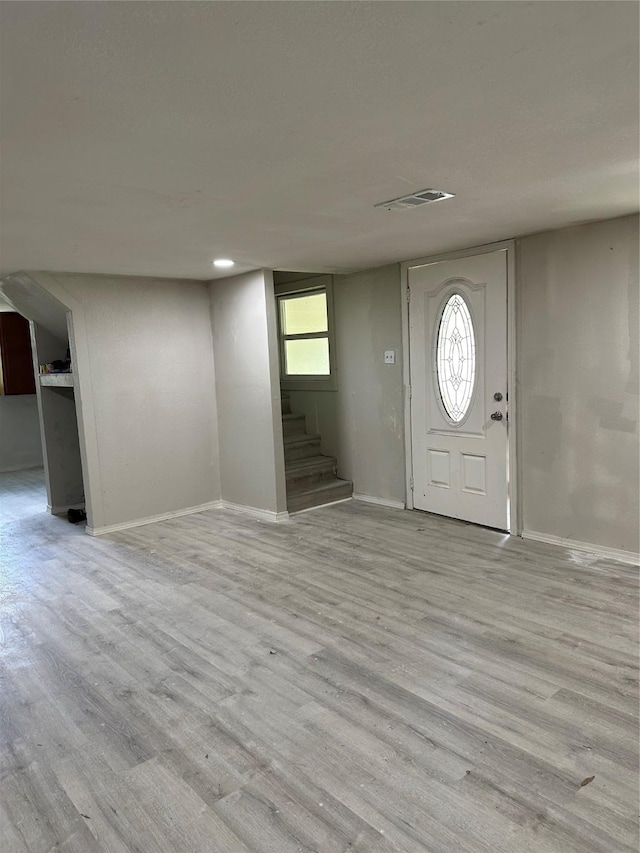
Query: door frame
{"type": "Point", "coordinates": [513, 486]}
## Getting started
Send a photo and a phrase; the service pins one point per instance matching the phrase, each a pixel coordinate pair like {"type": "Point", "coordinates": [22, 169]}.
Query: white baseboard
{"type": "Point", "coordinates": [151, 519]}
{"type": "Point", "coordinates": [256, 512]}
{"type": "Point", "coordinates": [575, 545]}
{"type": "Point", "coordinates": [369, 499]}
{"type": "Point", "coordinates": [64, 508]}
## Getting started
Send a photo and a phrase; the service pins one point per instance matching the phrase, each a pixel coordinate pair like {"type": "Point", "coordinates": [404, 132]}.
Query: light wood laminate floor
{"type": "Point", "coordinates": [354, 679]}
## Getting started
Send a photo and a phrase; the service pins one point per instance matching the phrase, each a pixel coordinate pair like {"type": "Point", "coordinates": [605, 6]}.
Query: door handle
{"type": "Point", "coordinates": [496, 416]}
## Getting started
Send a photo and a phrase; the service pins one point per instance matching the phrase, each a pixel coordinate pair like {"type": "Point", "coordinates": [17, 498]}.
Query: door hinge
{"type": "Point", "coordinates": [411, 483]}
{"type": "Point", "coordinates": [408, 294]}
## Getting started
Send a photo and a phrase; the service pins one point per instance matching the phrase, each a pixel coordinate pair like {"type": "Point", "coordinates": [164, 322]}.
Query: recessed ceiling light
{"type": "Point", "coordinates": [416, 199]}
{"type": "Point", "coordinates": [223, 262]}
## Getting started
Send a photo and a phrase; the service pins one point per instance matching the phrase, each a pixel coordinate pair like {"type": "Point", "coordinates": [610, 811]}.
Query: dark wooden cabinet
{"type": "Point", "coordinates": [16, 361]}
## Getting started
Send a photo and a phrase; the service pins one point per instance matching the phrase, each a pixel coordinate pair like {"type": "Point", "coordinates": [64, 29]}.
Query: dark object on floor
{"type": "Point", "coordinates": [75, 516]}
{"type": "Point", "coordinates": [587, 781]}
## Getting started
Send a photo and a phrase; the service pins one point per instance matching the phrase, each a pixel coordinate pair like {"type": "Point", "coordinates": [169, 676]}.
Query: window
{"type": "Point", "coordinates": [305, 334]}
{"type": "Point", "coordinates": [456, 358]}
{"type": "Point", "coordinates": [304, 313]}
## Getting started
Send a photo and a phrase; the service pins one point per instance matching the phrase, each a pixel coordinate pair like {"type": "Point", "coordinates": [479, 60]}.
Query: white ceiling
{"type": "Point", "coordinates": [147, 138]}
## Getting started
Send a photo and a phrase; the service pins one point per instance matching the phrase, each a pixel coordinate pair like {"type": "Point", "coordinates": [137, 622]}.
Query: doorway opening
{"type": "Point", "coordinates": [46, 433]}
{"type": "Point", "coordinates": [308, 390]}
{"type": "Point", "coordinates": [22, 488]}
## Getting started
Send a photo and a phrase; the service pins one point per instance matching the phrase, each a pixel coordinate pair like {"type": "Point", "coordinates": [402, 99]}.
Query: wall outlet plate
{"type": "Point", "coordinates": [390, 356]}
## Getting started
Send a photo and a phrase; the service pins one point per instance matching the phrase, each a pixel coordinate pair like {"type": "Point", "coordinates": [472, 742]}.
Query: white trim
{"type": "Point", "coordinates": [575, 545]}
{"type": "Point", "coordinates": [515, 519]}
{"type": "Point", "coordinates": [152, 519]}
{"type": "Point", "coordinates": [63, 508]}
{"type": "Point", "coordinates": [369, 499]}
{"type": "Point", "coordinates": [319, 506]}
{"type": "Point", "coordinates": [256, 512]}
{"type": "Point", "coordinates": [452, 256]}
{"type": "Point", "coordinates": [514, 459]}
{"type": "Point", "coordinates": [406, 383]}
{"type": "Point", "coordinates": [276, 393]}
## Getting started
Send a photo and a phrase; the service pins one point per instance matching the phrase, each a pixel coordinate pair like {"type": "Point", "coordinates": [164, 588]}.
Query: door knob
{"type": "Point", "coordinates": [496, 416]}
{"type": "Point", "coordinates": [497, 396]}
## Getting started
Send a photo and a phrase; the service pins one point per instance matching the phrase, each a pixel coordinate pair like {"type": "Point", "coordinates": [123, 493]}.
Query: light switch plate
{"type": "Point", "coordinates": [390, 356]}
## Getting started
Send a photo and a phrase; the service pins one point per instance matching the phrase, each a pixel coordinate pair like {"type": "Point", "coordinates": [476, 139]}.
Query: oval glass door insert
{"type": "Point", "coordinates": [456, 358]}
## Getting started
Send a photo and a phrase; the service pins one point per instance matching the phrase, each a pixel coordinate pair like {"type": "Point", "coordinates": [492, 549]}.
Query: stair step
{"type": "Point", "coordinates": [292, 440]}
{"type": "Point", "coordinates": [303, 474]}
{"type": "Point", "coordinates": [293, 425]}
{"type": "Point", "coordinates": [323, 493]}
{"type": "Point", "coordinates": [301, 447]}
{"type": "Point", "coordinates": [319, 461]}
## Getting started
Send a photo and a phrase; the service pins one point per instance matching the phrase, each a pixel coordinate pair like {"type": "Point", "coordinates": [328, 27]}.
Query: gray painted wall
{"type": "Point", "coordinates": [20, 445]}
{"type": "Point", "coordinates": [148, 369]}
{"type": "Point", "coordinates": [579, 385]}
{"type": "Point", "coordinates": [147, 392]}
{"type": "Point", "coordinates": [370, 395]}
{"type": "Point", "coordinates": [362, 422]}
{"type": "Point", "coordinates": [247, 389]}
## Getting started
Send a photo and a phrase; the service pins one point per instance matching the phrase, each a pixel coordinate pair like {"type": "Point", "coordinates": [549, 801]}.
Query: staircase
{"type": "Point", "coordinates": [311, 476]}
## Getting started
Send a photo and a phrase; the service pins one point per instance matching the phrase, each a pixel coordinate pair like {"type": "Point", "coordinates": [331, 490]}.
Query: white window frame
{"type": "Point", "coordinates": [322, 283]}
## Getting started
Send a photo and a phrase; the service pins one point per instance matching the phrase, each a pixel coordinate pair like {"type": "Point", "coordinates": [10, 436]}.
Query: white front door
{"type": "Point", "coordinates": [458, 376]}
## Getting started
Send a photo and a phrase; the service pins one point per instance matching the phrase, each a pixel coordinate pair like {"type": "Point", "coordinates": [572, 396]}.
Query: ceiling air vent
{"type": "Point", "coordinates": [414, 200]}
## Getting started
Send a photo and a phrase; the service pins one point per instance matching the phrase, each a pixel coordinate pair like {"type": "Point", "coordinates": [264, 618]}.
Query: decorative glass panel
{"type": "Point", "coordinates": [456, 358]}
{"type": "Point", "coordinates": [304, 314]}
{"type": "Point", "coordinates": [307, 357]}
